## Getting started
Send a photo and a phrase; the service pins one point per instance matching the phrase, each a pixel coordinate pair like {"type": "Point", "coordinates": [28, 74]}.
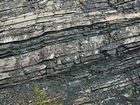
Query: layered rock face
{"type": "Point", "coordinates": [82, 51]}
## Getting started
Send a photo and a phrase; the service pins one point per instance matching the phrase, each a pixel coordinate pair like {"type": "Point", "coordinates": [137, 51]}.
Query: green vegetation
{"type": "Point", "coordinates": [129, 99]}
{"type": "Point", "coordinates": [42, 99]}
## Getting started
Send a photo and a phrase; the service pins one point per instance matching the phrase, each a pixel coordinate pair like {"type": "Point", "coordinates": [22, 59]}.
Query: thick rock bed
{"type": "Point", "coordinates": [84, 52]}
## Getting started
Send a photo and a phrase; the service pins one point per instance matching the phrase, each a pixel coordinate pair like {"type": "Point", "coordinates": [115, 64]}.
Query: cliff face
{"type": "Point", "coordinates": [84, 51]}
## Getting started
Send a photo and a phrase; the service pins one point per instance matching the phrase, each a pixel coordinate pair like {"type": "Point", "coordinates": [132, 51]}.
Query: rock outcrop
{"type": "Point", "coordinates": [82, 51]}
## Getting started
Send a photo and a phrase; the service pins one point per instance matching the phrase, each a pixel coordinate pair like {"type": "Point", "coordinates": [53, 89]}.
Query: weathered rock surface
{"type": "Point", "coordinates": [85, 52]}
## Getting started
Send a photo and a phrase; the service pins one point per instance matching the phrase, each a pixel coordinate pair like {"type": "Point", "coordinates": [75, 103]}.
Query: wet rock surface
{"type": "Point", "coordinates": [85, 52]}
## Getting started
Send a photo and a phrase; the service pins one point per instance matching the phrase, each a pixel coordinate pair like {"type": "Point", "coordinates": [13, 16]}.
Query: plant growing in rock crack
{"type": "Point", "coordinates": [42, 99]}
{"type": "Point", "coordinates": [40, 96]}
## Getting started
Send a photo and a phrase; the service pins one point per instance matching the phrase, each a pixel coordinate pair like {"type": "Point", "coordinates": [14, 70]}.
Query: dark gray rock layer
{"type": "Point", "coordinates": [85, 52]}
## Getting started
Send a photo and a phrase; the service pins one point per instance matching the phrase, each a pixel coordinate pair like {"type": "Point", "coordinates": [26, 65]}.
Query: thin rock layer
{"type": "Point", "coordinates": [82, 51]}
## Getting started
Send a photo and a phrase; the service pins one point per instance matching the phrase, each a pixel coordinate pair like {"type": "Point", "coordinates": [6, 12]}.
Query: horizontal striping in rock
{"type": "Point", "coordinates": [82, 51]}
